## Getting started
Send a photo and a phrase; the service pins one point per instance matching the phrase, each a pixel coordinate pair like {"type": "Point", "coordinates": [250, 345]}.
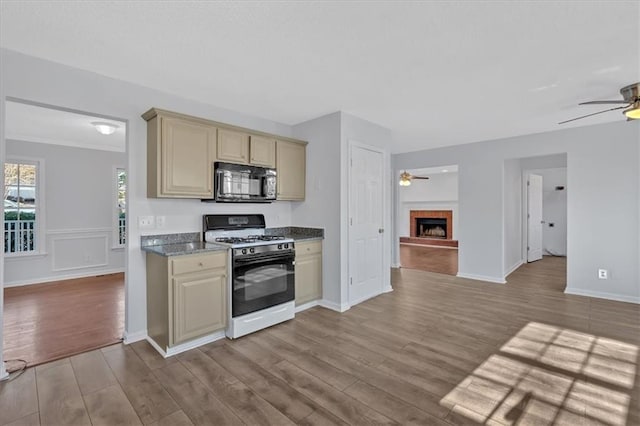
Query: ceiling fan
{"type": "Point", "coordinates": [631, 101]}
{"type": "Point", "coordinates": [406, 178]}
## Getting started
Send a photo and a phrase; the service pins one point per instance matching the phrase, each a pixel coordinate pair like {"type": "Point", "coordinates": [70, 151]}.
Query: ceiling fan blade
{"type": "Point", "coordinates": [603, 102]}
{"type": "Point", "coordinates": [595, 113]}
{"type": "Point", "coordinates": [419, 177]}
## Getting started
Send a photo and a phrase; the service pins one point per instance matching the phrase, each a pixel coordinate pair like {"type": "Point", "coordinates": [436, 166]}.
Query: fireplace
{"type": "Point", "coordinates": [428, 227]}
{"type": "Point", "coordinates": [431, 224]}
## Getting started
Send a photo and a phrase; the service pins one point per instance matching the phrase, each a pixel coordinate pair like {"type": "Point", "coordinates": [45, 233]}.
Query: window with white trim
{"type": "Point", "coordinates": [22, 207]}
{"type": "Point", "coordinates": [120, 235]}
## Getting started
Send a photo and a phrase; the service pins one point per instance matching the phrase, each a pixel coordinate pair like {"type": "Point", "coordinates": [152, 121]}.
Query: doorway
{"type": "Point", "coordinates": [64, 231]}
{"type": "Point", "coordinates": [535, 212]}
{"type": "Point", "coordinates": [427, 219]}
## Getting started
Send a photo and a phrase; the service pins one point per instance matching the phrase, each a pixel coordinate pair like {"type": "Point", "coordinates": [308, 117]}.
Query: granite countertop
{"type": "Point", "coordinates": [297, 233]}
{"type": "Point", "coordinates": [177, 244]}
{"type": "Point", "coordinates": [189, 243]}
{"type": "Point", "coordinates": [178, 249]}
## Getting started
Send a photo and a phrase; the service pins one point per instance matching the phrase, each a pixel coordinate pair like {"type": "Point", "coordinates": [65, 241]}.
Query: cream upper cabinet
{"type": "Point", "coordinates": [262, 151]}
{"type": "Point", "coordinates": [186, 297]}
{"type": "Point", "coordinates": [308, 271]}
{"type": "Point", "coordinates": [233, 146]}
{"type": "Point", "coordinates": [180, 156]}
{"type": "Point", "coordinates": [291, 170]}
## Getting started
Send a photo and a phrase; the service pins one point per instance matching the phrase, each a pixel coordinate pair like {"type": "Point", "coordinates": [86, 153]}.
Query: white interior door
{"type": "Point", "coordinates": [366, 207]}
{"type": "Point", "coordinates": [534, 218]}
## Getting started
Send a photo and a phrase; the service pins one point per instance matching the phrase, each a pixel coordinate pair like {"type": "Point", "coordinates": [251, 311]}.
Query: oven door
{"type": "Point", "coordinates": [260, 282]}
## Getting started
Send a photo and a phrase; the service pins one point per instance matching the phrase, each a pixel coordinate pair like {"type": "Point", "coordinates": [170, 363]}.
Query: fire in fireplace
{"type": "Point", "coordinates": [428, 227]}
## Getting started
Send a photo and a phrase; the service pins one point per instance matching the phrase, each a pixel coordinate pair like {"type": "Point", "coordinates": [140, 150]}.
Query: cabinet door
{"type": "Point", "coordinates": [262, 151]}
{"type": "Point", "coordinates": [291, 169]}
{"type": "Point", "coordinates": [233, 146]}
{"type": "Point", "coordinates": [187, 155]}
{"type": "Point", "coordinates": [308, 278]}
{"type": "Point", "coordinates": [199, 305]}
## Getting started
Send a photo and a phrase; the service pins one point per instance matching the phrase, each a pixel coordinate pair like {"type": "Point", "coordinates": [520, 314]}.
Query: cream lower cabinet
{"type": "Point", "coordinates": [291, 168]}
{"type": "Point", "coordinates": [308, 271]}
{"type": "Point", "coordinates": [186, 297]}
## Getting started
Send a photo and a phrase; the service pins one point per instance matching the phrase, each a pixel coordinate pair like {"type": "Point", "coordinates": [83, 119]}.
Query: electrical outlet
{"type": "Point", "coordinates": [161, 221]}
{"type": "Point", "coordinates": [603, 274]}
{"type": "Point", "coordinates": [146, 222]}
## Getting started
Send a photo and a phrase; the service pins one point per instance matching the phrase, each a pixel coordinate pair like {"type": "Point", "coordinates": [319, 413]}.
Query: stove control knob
{"type": "Point", "coordinates": [252, 250]}
{"type": "Point", "coordinates": [244, 251]}
{"type": "Point", "coordinates": [286, 246]}
{"type": "Point", "coordinates": [279, 246]}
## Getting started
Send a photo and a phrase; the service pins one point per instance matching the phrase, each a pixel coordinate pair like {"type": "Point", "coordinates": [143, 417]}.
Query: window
{"type": "Point", "coordinates": [21, 206]}
{"type": "Point", "coordinates": [121, 212]}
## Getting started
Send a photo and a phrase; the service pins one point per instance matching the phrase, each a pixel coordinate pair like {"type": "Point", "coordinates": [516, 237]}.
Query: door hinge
{"type": "Point", "coordinates": [528, 183]}
{"type": "Point", "coordinates": [527, 248]}
{"type": "Point", "coordinates": [351, 281]}
{"type": "Point", "coordinates": [352, 162]}
{"type": "Point", "coordinates": [528, 215]}
{"type": "Point", "coordinates": [351, 221]}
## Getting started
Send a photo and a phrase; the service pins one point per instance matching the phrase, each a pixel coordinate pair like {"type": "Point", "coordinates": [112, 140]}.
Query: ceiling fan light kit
{"type": "Point", "coordinates": [633, 113]}
{"type": "Point", "coordinates": [631, 101]}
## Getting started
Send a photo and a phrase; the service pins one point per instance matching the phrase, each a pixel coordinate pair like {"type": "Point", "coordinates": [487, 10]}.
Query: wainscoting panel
{"type": "Point", "coordinates": [80, 251]}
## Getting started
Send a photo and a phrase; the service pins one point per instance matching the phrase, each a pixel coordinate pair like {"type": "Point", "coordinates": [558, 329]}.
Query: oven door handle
{"type": "Point", "coordinates": [263, 259]}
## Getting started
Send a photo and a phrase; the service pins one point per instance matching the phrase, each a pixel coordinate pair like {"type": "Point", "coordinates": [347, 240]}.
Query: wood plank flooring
{"type": "Point", "coordinates": [442, 260]}
{"type": "Point", "coordinates": [549, 274]}
{"type": "Point", "coordinates": [45, 322]}
{"type": "Point", "coordinates": [438, 350]}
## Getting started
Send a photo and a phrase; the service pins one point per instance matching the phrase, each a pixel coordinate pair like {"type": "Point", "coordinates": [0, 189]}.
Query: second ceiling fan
{"type": "Point", "coordinates": [406, 178]}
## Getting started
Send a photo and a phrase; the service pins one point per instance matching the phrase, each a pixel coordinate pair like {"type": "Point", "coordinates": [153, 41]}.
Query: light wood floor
{"type": "Point", "coordinates": [437, 350]}
{"type": "Point", "coordinates": [443, 260]}
{"type": "Point", "coordinates": [45, 322]}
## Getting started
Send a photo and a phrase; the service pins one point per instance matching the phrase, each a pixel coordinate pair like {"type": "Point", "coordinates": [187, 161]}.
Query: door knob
{"type": "Point", "coordinates": [380, 230]}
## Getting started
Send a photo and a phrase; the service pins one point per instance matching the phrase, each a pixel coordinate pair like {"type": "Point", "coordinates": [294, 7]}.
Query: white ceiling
{"type": "Point", "coordinates": [435, 73]}
{"type": "Point", "coordinates": [33, 123]}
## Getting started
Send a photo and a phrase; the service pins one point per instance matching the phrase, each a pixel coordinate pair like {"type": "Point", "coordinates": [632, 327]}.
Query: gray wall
{"type": "Point", "coordinates": [79, 202]}
{"type": "Point", "coordinates": [321, 207]}
{"type": "Point", "coordinates": [327, 202]}
{"type": "Point", "coordinates": [603, 178]}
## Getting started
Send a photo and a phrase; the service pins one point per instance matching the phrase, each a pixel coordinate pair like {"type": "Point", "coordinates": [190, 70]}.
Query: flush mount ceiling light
{"type": "Point", "coordinates": [104, 128]}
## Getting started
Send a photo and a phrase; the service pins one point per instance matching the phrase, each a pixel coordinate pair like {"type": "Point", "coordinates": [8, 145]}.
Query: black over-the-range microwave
{"type": "Point", "coordinates": [237, 183]}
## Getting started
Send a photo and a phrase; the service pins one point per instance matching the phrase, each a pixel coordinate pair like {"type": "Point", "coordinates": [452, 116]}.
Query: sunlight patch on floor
{"type": "Point", "coordinates": [550, 375]}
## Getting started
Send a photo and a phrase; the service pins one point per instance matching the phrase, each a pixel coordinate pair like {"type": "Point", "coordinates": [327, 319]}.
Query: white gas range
{"type": "Point", "coordinates": [262, 279]}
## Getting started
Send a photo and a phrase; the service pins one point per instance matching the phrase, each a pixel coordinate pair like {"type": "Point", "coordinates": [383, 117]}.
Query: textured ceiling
{"type": "Point", "coordinates": [435, 73]}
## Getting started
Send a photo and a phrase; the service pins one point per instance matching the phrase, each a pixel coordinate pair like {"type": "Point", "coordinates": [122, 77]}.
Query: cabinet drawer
{"type": "Point", "coordinates": [200, 262]}
{"type": "Point", "coordinates": [310, 247]}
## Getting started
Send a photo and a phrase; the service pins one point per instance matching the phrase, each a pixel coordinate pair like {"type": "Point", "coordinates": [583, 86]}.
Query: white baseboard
{"type": "Point", "coordinates": [387, 289]}
{"type": "Point", "coordinates": [49, 279]}
{"type": "Point", "coordinates": [129, 338]}
{"type": "Point", "coordinates": [3, 371]}
{"type": "Point", "coordinates": [518, 264]}
{"type": "Point", "coordinates": [395, 265]}
{"type": "Point", "coordinates": [307, 305]}
{"type": "Point", "coordinates": [334, 306]}
{"type": "Point", "coordinates": [481, 278]}
{"type": "Point", "coordinates": [175, 350]}
{"type": "Point", "coordinates": [603, 295]}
